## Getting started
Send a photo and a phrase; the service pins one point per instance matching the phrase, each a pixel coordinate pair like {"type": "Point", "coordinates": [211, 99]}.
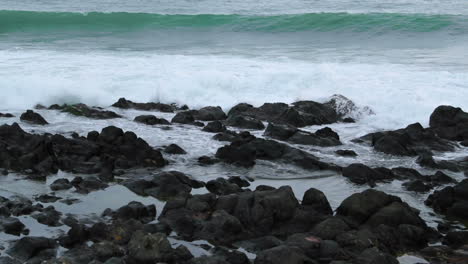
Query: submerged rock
{"type": "Point", "coordinates": [32, 117]}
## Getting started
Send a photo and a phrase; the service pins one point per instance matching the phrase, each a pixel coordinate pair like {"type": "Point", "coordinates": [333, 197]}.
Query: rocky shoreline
{"type": "Point", "coordinates": [235, 222]}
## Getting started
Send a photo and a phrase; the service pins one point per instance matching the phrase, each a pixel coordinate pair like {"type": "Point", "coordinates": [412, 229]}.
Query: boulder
{"type": "Point", "coordinates": [210, 113]}
{"type": "Point", "coordinates": [174, 149]}
{"type": "Point", "coordinates": [32, 117]}
{"type": "Point", "coordinates": [214, 127]}
{"type": "Point", "coordinates": [449, 122]}
{"type": "Point", "coordinates": [184, 118]}
{"type": "Point", "coordinates": [151, 120]}
{"type": "Point", "coordinates": [323, 137]}
{"type": "Point", "coordinates": [29, 248]}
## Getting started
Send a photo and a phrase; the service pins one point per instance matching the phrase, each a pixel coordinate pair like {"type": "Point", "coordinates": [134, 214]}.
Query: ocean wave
{"type": "Point", "coordinates": [21, 21]}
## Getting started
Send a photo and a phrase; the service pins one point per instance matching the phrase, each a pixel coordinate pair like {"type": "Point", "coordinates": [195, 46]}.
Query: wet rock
{"type": "Point", "coordinates": [6, 115]}
{"type": "Point", "coordinates": [259, 244]}
{"type": "Point", "coordinates": [410, 141]}
{"type": "Point", "coordinates": [214, 127]}
{"type": "Point", "coordinates": [456, 239]}
{"type": "Point", "coordinates": [12, 226]}
{"type": "Point", "coordinates": [86, 111]}
{"type": "Point", "coordinates": [232, 136]}
{"type": "Point", "coordinates": [450, 123]}
{"type": "Point", "coordinates": [324, 137]}
{"type": "Point", "coordinates": [47, 198]}
{"type": "Point", "coordinates": [32, 117]}
{"type": "Point", "coordinates": [221, 186]}
{"type": "Point", "coordinates": [106, 250]}
{"type": "Point", "coordinates": [61, 184]}
{"type": "Point", "coordinates": [174, 149]}
{"type": "Point", "coordinates": [316, 200]}
{"type": "Point", "coordinates": [150, 248]}
{"type": "Point", "coordinates": [127, 104]}
{"type": "Point", "coordinates": [245, 122]}
{"type": "Point", "coordinates": [210, 113]}
{"type": "Point", "coordinates": [137, 211]}
{"type": "Point", "coordinates": [361, 174]}
{"type": "Point", "coordinates": [417, 186]}
{"type": "Point", "coordinates": [17, 206]}
{"type": "Point", "coordinates": [165, 185]}
{"type": "Point", "coordinates": [77, 235]}
{"type": "Point", "coordinates": [374, 208]}
{"type": "Point", "coordinates": [281, 255]}
{"type": "Point", "coordinates": [330, 228]}
{"type": "Point", "coordinates": [375, 256]}
{"type": "Point", "coordinates": [426, 160]}
{"type": "Point", "coordinates": [239, 216]}
{"type": "Point", "coordinates": [48, 216]}
{"type": "Point", "coordinates": [33, 248]}
{"type": "Point", "coordinates": [451, 201]}
{"type": "Point", "coordinates": [239, 181]}
{"type": "Point", "coordinates": [205, 160]}
{"type": "Point", "coordinates": [151, 120]}
{"type": "Point", "coordinates": [183, 118]}
{"type": "Point", "coordinates": [244, 153]}
{"type": "Point", "coordinates": [88, 184]}
{"type": "Point", "coordinates": [347, 109]}
{"type": "Point", "coordinates": [40, 155]}
{"type": "Point", "coordinates": [346, 153]}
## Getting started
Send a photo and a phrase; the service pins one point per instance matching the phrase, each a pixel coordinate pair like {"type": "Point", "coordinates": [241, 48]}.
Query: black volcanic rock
{"type": "Point", "coordinates": [151, 120]}
{"type": "Point", "coordinates": [32, 117]}
{"type": "Point", "coordinates": [127, 104]}
{"type": "Point", "coordinates": [45, 154]}
{"type": "Point", "coordinates": [86, 111]}
{"type": "Point", "coordinates": [450, 123]}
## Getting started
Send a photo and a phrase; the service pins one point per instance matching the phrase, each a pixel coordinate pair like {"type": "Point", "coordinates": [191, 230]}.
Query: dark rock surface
{"type": "Point", "coordinates": [32, 117]}
{"type": "Point", "coordinates": [324, 137]}
{"type": "Point", "coordinates": [245, 151]}
{"type": "Point", "coordinates": [85, 111]}
{"type": "Point", "coordinates": [450, 123]}
{"type": "Point", "coordinates": [127, 104]}
{"type": "Point", "coordinates": [45, 154]}
{"type": "Point", "coordinates": [451, 201]}
{"type": "Point", "coordinates": [174, 149]}
{"type": "Point", "coordinates": [151, 120]}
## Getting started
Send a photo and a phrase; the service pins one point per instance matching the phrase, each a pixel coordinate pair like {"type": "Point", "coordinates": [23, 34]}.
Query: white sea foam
{"type": "Point", "coordinates": [398, 94]}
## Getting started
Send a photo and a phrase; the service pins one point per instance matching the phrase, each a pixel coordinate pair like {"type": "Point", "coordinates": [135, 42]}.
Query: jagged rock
{"type": "Point", "coordinates": [151, 120]}
{"type": "Point", "coordinates": [86, 111]}
{"type": "Point", "coordinates": [323, 137]}
{"type": "Point", "coordinates": [32, 117]}
{"type": "Point", "coordinates": [41, 155]}
{"type": "Point", "coordinates": [221, 186]}
{"type": "Point", "coordinates": [127, 104]}
{"type": "Point", "coordinates": [347, 109]}
{"type": "Point", "coordinates": [48, 216]}
{"type": "Point", "coordinates": [165, 185]}
{"type": "Point", "coordinates": [410, 141]}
